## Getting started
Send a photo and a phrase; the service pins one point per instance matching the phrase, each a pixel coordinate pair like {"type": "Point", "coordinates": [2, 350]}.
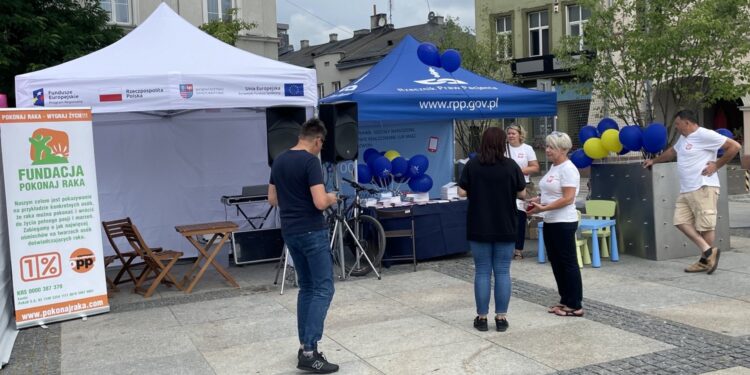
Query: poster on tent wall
{"type": "Point", "coordinates": [53, 214]}
{"type": "Point", "coordinates": [432, 139]}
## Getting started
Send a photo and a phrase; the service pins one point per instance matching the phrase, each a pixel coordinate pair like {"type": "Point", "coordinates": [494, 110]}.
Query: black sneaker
{"type": "Point", "coordinates": [317, 364]}
{"type": "Point", "coordinates": [480, 324]}
{"type": "Point", "coordinates": [501, 325]}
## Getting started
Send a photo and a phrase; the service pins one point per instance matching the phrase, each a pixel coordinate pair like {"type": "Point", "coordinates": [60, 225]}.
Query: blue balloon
{"type": "Point", "coordinates": [631, 137]}
{"type": "Point", "coordinates": [428, 54]}
{"type": "Point", "coordinates": [418, 165]}
{"type": "Point", "coordinates": [380, 167]}
{"type": "Point", "coordinates": [421, 184]}
{"type": "Point", "coordinates": [725, 132]}
{"type": "Point", "coordinates": [451, 60]}
{"type": "Point", "coordinates": [407, 176]}
{"type": "Point", "coordinates": [624, 150]}
{"type": "Point", "coordinates": [655, 138]}
{"type": "Point", "coordinates": [399, 166]}
{"type": "Point", "coordinates": [363, 174]}
{"type": "Point", "coordinates": [606, 124]}
{"type": "Point", "coordinates": [580, 159]}
{"type": "Point", "coordinates": [587, 132]}
{"type": "Point", "coordinates": [370, 152]}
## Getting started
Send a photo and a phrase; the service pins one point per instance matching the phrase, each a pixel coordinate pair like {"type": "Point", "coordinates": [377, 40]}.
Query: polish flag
{"type": "Point", "coordinates": [110, 95]}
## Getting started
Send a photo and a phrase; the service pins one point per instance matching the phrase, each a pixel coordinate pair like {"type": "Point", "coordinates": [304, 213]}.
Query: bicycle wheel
{"type": "Point", "coordinates": [372, 238]}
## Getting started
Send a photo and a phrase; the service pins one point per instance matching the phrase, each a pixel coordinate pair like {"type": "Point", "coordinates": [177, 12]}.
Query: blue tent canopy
{"type": "Point", "coordinates": [400, 87]}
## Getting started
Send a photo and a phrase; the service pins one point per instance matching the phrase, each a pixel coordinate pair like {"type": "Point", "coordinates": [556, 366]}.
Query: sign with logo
{"type": "Point", "coordinates": [53, 213]}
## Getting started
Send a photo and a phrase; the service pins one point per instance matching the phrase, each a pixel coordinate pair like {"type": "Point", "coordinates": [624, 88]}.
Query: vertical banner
{"type": "Point", "coordinates": [53, 214]}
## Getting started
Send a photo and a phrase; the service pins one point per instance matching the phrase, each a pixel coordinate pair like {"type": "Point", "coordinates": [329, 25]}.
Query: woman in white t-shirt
{"type": "Point", "coordinates": [559, 188]}
{"type": "Point", "coordinates": [525, 157]}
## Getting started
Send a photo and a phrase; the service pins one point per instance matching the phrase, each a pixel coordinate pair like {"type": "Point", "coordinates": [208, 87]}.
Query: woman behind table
{"type": "Point", "coordinates": [559, 188]}
{"type": "Point", "coordinates": [492, 182]}
{"type": "Point", "coordinates": [525, 157]}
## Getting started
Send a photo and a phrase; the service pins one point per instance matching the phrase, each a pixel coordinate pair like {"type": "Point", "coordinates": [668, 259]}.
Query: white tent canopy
{"type": "Point", "coordinates": [167, 64]}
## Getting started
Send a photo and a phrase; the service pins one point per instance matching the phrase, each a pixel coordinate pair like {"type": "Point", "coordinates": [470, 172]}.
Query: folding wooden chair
{"type": "Point", "coordinates": [113, 230]}
{"type": "Point", "coordinates": [160, 263]}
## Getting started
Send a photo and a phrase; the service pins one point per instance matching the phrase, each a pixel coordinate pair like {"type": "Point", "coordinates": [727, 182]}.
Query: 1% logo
{"type": "Point", "coordinates": [40, 266]}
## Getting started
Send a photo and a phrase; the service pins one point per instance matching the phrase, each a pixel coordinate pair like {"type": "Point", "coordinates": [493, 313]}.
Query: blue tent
{"type": "Point", "coordinates": [400, 87]}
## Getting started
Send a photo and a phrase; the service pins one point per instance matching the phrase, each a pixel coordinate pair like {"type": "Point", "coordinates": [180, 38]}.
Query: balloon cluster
{"type": "Point", "coordinates": [428, 53]}
{"type": "Point", "coordinates": [727, 133]}
{"type": "Point", "coordinates": [607, 137]}
{"type": "Point", "coordinates": [383, 168]}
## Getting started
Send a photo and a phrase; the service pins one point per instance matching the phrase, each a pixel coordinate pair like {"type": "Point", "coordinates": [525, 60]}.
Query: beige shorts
{"type": "Point", "coordinates": [697, 208]}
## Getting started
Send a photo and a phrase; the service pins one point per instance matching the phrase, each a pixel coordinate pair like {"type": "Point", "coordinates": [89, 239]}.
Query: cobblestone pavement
{"type": "Point", "coordinates": [697, 351]}
{"type": "Point", "coordinates": [37, 351]}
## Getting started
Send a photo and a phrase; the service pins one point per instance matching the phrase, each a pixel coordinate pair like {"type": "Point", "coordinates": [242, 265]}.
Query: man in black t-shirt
{"type": "Point", "coordinates": [296, 187]}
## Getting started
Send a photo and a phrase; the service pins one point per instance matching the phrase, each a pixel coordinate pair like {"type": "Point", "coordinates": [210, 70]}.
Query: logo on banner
{"type": "Point", "coordinates": [38, 97]}
{"type": "Point", "coordinates": [294, 89]}
{"type": "Point", "coordinates": [49, 147]}
{"type": "Point", "coordinates": [437, 80]}
{"type": "Point", "coordinates": [82, 260]}
{"type": "Point", "coordinates": [186, 90]}
{"type": "Point", "coordinates": [110, 95]}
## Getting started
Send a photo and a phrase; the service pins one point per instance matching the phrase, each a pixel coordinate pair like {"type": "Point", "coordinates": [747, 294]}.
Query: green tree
{"type": "Point", "coordinates": [228, 28]}
{"type": "Point", "coordinates": [36, 34]}
{"type": "Point", "coordinates": [480, 58]}
{"type": "Point", "coordinates": [652, 57]}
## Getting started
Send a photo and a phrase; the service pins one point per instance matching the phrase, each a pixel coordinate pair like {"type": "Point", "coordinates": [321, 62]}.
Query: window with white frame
{"type": "Point", "coordinates": [538, 33]}
{"type": "Point", "coordinates": [578, 16]}
{"type": "Point", "coordinates": [218, 10]}
{"type": "Point", "coordinates": [336, 86]}
{"type": "Point", "coordinates": [321, 90]}
{"type": "Point", "coordinates": [118, 10]}
{"type": "Point", "coordinates": [504, 34]}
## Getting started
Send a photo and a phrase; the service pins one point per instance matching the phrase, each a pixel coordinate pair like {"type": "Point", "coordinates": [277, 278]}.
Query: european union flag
{"type": "Point", "coordinates": [294, 89]}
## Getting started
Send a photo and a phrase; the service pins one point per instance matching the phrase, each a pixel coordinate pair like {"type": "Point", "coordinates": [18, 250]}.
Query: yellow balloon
{"type": "Point", "coordinates": [391, 154]}
{"type": "Point", "coordinates": [594, 148]}
{"type": "Point", "coordinates": [611, 140]}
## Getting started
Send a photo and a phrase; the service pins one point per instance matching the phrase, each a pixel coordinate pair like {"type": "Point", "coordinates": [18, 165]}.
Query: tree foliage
{"type": "Point", "coordinates": [653, 57]}
{"type": "Point", "coordinates": [36, 34]}
{"type": "Point", "coordinates": [227, 29]}
{"type": "Point", "coordinates": [480, 58]}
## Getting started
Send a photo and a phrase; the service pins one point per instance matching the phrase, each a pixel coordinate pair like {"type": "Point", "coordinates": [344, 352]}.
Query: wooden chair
{"type": "Point", "coordinates": [407, 232]}
{"type": "Point", "coordinates": [113, 230]}
{"type": "Point", "coordinates": [600, 209]}
{"type": "Point", "coordinates": [160, 263]}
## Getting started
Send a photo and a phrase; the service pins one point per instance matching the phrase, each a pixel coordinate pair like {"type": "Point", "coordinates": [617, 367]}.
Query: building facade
{"type": "Point", "coordinates": [526, 34]}
{"type": "Point", "coordinates": [261, 40]}
{"type": "Point", "coordinates": [339, 62]}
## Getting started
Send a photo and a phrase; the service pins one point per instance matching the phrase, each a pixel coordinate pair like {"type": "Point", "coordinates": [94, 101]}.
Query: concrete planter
{"type": "Point", "coordinates": [645, 207]}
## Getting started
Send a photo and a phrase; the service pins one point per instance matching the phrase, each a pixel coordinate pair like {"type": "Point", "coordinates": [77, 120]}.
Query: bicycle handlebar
{"type": "Point", "coordinates": [358, 187]}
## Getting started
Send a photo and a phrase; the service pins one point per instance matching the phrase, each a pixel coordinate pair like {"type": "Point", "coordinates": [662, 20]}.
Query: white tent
{"type": "Point", "coordinates": [167, 64]}
{"type": "Point", "coordinates": [179, 121]}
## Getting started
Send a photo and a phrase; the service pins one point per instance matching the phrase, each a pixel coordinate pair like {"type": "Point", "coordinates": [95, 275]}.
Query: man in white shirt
{"type": "Point", "coordinates": [695, 209]}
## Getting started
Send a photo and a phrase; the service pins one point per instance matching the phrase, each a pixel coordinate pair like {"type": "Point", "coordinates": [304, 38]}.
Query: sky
{"type": "Point", "coordinates": [314, 20]}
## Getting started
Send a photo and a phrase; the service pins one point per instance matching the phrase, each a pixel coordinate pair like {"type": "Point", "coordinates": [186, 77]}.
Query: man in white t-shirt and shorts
{"type": "Point", "coordinates": [695, 209]}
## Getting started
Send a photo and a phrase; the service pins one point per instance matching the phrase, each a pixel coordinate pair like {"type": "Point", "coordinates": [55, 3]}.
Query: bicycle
{"type": "Point", "coordinates": [367, 231]}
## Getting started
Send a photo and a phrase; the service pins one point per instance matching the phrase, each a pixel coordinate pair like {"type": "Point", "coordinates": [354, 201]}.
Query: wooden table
{"type": "Point", "coordinates": [220, 230]}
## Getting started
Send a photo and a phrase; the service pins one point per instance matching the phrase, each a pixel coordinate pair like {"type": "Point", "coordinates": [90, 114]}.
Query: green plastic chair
{"type": "Point", "coordinates": [600, 209]}
{"type": "Point", "coordinates": [582, 248]}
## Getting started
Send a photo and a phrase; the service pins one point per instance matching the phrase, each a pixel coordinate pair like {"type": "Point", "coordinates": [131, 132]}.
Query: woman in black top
{"type": "Point", "coordinates": [492, 182]}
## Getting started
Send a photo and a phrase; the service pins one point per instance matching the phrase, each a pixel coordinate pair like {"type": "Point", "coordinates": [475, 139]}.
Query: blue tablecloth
{"type": "Point", "coordinates": [440, 230]}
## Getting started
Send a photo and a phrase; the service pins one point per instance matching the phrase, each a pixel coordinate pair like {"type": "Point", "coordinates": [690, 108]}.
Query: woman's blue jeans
{"type": "Point", "coordinates": [314, 266]}
{"type": "Point", "coordinates": [489, 258]}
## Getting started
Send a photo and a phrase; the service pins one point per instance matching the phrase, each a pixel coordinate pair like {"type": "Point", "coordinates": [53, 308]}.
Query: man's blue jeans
{"type": "Point", "coordinates": [314, 265]}
{"type": "Point", "coordinates": [489, 258]}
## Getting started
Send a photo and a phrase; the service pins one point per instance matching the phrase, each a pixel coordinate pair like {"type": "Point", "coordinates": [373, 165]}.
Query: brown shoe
{"type": "Point", "coordinates": [697, 267]}
{"type": "Point", "coordinates": [713, 260]}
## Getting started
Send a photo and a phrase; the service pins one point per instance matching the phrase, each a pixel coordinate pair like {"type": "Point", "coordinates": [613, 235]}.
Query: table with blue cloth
{"type": "Point", "coordinates": [440, 229]}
